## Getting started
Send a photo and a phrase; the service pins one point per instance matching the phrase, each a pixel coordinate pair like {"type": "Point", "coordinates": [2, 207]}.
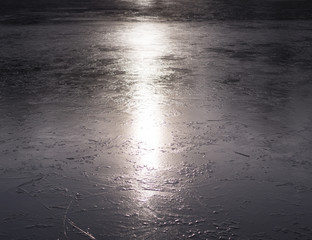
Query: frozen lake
{"type": "Point", "coordinates": [156, 120]}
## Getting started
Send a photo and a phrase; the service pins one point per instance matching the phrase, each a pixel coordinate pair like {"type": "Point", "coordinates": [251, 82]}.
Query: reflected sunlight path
{"type": "Point", "coordinates": [147, 43]}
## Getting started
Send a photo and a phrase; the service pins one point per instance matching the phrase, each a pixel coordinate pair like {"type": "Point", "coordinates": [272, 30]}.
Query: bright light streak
{"type": "Point", "coordinates": [147, 45]}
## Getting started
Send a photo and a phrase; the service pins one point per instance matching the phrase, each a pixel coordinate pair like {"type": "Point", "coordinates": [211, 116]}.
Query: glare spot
{"type": "Point", "coordinates": [147, 43]}
{"type": "Point", "coordinates": [144, 3]}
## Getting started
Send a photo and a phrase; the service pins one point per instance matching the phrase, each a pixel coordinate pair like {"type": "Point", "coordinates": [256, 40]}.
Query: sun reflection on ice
{"type": "Point", "coordinates": [148, 134]}
{"type": "Point", "coordinates": [147, 43]}
{"type": "Point", "coordinates": [144, 3]}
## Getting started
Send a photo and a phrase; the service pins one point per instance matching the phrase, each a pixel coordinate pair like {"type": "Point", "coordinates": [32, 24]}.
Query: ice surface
{"type": "Point", "coordinates": [136, 127]}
